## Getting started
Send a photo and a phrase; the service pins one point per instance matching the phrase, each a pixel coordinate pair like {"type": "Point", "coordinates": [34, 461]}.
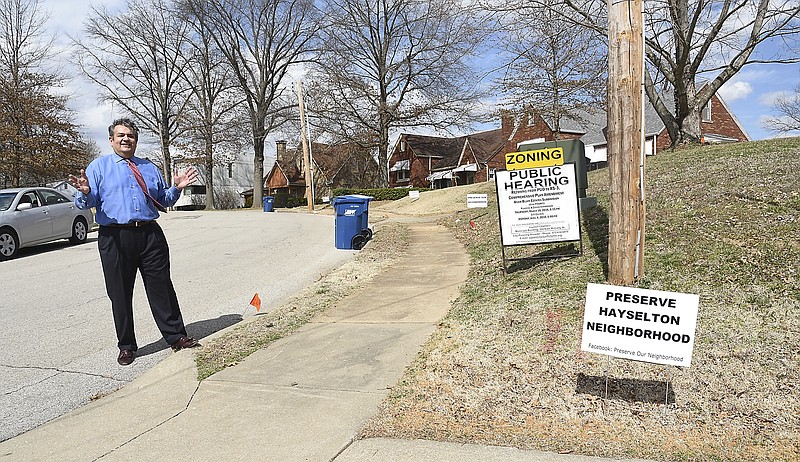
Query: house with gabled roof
{"type": "Point", "coordinates": [436, 162]}
{"type": "Point", "coordinates": [423, 161]}
{"type": "Point", "coordinates": [286, 178]}
{"type": "Point", "coordinates": [718, 125]}
{"type": "Point", "coordinates": [333, 166]}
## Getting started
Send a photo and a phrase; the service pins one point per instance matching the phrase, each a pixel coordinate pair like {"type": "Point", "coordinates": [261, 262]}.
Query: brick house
{"type": "Point", "coordinates": [423, 161]}
{"type": "Point", "coordinates": [718, 125]}
{"type": "Point", "coordinates": [436, 162]}
{"type": "Point", "coordinates": [334, 166]}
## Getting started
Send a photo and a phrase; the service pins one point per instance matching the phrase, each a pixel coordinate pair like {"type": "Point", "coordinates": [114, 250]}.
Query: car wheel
{"type": "Point", "coordinates": [9, 244]}
{"type": "Point", "coordinates": [79, 231]}
{"type": "Point", "coordinates": [359, 241]}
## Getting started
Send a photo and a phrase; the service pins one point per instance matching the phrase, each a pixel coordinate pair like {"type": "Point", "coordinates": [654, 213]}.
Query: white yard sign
{"type": "Point", "coordinates": [538, 205]}
{"type": "Point", "coordinates": [477, 201]}
{"type": "Point", "coordinates": [646, 325]}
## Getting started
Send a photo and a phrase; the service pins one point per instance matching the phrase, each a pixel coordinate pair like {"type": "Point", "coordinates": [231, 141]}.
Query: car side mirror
{"type": "Point", "coordinates": [25, 206]}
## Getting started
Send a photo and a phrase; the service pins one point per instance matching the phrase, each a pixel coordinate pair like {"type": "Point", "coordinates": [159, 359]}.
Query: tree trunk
{"type": "Point", "coordinates": [166, 156]}
{"type": "Point", "coordinates": [209, 158]}
{"type": "Point", "coordinates": [258, 174]}
{"type": "Point", "coordinates": [624, 132]}
{"type": "Point", "coordinates": [690, 128]}
{"type": "Point", "coordinates": [383, 145]}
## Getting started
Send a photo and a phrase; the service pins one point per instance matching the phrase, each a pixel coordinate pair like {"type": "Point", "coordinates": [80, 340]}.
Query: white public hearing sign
{"type": "Point", "coordinates": [538, 205]}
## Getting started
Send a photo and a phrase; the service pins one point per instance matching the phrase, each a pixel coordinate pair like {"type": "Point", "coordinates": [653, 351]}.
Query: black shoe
{"type": "Point", "coordinates": [126, 357]}
{"type": "Point", "coordinates": [185, 342]}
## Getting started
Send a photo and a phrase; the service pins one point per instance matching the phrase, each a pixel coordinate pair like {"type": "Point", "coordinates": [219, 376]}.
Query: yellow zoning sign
{"type": "Point", "coordinates": [548, 157]}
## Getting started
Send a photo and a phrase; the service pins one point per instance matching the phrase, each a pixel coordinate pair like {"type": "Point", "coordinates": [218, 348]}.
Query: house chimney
{"type": "Point", "coordinates": [281, 150]}
{"type": "Point", "coordinates": [506, 121]}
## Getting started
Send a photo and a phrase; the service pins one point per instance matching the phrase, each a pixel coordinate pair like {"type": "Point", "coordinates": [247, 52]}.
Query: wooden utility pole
{"type": "Point", "coordinates": [625, 125]}
{"type": "Point", "coordinates": [306, 156]}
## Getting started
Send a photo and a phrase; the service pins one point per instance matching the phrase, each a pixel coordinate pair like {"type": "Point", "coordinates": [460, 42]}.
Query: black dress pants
{"type": "Point", "coordinates": [123, 251]}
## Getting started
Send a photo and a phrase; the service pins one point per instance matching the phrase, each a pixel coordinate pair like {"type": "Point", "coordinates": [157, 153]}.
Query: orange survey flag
{"type": "Point", "coordinates": [256, 302]}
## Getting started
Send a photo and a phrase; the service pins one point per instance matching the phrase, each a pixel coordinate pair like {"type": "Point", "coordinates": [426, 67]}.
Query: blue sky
{"type": "Point", "coordinates": [749, 94]}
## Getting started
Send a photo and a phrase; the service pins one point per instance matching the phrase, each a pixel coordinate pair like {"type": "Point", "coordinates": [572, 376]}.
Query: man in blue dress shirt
{"type": "Point", "coordinates": [127, 193]}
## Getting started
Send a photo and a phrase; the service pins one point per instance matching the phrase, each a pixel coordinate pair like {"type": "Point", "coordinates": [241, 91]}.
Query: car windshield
{"type": "Point", "coordinates": [5, 200]}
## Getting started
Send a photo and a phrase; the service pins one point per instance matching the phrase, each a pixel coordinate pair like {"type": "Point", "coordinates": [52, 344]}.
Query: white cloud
{"type": "Point", "coordinates": [757, 74]}
{"type": "Point", "coordinates": [768, 99]}
{"type": "Point", "coordinates": [733, 90]}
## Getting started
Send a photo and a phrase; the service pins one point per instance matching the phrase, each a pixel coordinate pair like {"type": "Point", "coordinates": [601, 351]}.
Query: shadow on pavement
{"type": "Point", "coordinates": [198, 330]}
{"type": "Point", "coordinates": [53, 246]}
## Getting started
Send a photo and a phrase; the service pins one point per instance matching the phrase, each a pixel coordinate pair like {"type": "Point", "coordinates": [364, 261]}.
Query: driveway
{"type": "Point", "coordinates": [57, 342]}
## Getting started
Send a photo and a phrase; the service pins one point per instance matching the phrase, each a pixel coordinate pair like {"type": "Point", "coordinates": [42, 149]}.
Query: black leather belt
{"type": "Point", "coordinates": [133, 224]}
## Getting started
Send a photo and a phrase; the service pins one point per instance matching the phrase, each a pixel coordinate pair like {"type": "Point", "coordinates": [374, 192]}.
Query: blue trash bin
{"type": "Point", "coordinates": [352, 221]}
{"type": "Point", "coordinates": [268, 201]}
{"type": "Point", "coordinates": [363, 222]}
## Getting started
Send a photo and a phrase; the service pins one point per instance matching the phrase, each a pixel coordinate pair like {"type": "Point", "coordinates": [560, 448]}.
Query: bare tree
{"type": "Point", "coordinates": [212, 117]}
{"type": "Point", "coordinates": [30, 111]}
{"type": "Point", "coordinates": [389, 64]}
{"type": "Point", "coordinates": [263, 40]}
{"type": "Point", "coordinates": [554, 69]}
{"type": "Point", "coordinates": [690, 40]}
{"type": "Point", "coordinates": [788, 119]}
{"type": "Point", "coordinates": [138, 57]}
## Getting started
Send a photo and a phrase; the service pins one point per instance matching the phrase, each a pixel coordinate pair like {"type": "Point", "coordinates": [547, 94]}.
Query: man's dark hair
{"type": "Point", "coordinates": [125, 122]}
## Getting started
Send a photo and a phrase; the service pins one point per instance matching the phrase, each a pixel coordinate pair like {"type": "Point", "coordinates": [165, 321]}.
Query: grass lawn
{"type": "Point", "coordinates": [506, 367]}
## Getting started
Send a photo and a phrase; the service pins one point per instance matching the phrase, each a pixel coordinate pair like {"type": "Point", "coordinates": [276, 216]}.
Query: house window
{"type": "Point", "coordinates": [230, 170]}
{"type": "Point", "coordinates": [706, 114]}
{"type": "Point", "coordinates": [402, 170]}
{"type": "Point", "coordinates": [442, 183]}
{"type": "Point", "coordinates": [492, 172]}
{"type": "Point", "coordinates": [402, 145]}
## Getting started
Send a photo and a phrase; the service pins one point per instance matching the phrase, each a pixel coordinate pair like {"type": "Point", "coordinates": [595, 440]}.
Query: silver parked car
{"type": "Point", "coordinates": [30, 216]}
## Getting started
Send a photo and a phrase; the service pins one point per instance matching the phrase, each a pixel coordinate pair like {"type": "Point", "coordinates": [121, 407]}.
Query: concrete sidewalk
{"type": "Point", "coordinates": [303, 398]}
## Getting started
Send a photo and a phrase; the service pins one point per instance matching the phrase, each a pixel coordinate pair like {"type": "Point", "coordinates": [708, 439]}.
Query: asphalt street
{"type": "Point", "coordinates": [57, 343]}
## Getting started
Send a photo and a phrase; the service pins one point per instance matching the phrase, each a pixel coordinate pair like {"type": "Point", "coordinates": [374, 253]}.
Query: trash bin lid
{"type": "Point", "coordinates": [351, 199]}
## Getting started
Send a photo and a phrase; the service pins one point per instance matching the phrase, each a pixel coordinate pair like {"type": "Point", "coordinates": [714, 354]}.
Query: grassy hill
{"type": "Point", "coordinates": [506, 368]}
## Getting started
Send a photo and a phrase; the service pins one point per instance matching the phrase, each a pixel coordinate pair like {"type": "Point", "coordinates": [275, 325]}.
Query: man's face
{"type": "Point", "coordinates": [124, 141]}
